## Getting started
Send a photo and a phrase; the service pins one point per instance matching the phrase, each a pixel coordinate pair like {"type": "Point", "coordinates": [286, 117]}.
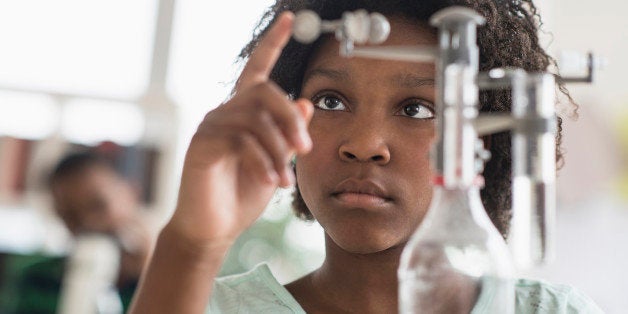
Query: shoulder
{"type": "Point", "coordinates": [538, 296]}
{"type": "Point", "coordinates": [252, 292]}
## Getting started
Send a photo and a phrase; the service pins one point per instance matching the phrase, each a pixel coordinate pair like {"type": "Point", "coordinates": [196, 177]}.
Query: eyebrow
{"type": "Point", "coordinates": [335, 75]}
{"type": "Point", "coordinates": [412, 80]}
{"type": "Point", "coordinates": [405, 80]}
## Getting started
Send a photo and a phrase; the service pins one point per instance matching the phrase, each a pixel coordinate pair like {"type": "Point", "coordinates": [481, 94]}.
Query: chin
{"type": "Point", "coordinates": [365, 240]}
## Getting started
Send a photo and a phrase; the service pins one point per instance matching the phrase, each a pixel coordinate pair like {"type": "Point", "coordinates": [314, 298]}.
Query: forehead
{"type": "Point", "coordinates": [404, 32]}
{"type": "Point", "coordinates": [89, 178]}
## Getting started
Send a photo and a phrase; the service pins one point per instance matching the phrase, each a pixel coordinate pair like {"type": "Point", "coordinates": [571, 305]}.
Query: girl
{"type": "Point", "coordinates": [362, 130]}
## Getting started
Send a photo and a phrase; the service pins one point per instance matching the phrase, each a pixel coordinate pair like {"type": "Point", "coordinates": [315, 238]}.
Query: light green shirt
{"type": "Point", "coordinates": [257, 291]}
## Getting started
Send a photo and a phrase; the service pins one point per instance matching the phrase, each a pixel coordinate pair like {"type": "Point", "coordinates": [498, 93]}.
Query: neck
{"type": "Point", "coordinates": [359, 282]}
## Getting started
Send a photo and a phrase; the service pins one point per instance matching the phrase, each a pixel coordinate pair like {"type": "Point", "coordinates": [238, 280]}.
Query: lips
{"type": "Point", "coordinates": [361, 194]}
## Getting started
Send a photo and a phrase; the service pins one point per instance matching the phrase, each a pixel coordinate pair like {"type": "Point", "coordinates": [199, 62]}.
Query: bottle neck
{"type": "Point", "coordinates": [454, 152]}
{"type": "Point", "coordinates": [457, 206]}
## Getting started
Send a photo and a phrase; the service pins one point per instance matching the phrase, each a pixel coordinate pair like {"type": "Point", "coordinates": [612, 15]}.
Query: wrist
{"type": "Point", "coordinates": [191, 249]}
{"type": "Point", "coordinates": [180, 274]}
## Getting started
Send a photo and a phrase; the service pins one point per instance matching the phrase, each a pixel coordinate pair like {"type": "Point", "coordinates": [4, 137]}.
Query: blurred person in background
{"type": "Point", "coordinates": [90, 196]}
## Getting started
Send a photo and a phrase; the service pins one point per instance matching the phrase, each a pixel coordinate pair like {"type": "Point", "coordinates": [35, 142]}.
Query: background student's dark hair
{"type": "Point", "coordinates": [509, 38]}
{"type": "Point", "coordinates": [76, 163]}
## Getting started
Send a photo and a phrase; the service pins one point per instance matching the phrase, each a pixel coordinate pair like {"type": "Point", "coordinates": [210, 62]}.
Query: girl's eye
{"type": "Point", "coordinates": [329, 103]}
{"type": "Point", "coordinates": [417, 111]}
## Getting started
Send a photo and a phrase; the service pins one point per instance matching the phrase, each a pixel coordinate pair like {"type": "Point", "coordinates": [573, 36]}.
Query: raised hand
{"type": "Point", "coordinates": [241, 151]}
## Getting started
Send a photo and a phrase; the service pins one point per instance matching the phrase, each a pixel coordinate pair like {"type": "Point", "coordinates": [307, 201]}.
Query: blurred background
{"type": "Point", "coordinates": [132, 79]}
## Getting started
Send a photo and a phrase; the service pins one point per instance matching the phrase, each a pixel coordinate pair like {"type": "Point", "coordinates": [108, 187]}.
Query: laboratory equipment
{"type": "Point", "coordinates": [457, 261]}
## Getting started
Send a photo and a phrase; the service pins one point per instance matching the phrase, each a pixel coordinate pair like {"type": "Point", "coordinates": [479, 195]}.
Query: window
{"type": "Point", "coordinates": [77, 46]}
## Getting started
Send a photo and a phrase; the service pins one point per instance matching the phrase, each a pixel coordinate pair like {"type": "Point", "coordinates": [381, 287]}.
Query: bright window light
{"type": "Point", "coordinates": [89, 122]}
{"type": "Point", "coordinates": [28, 116]}
{"type": "Point", "coordinates": [206, 42]}
{"type": "Point", "coordinates": [77, 46]}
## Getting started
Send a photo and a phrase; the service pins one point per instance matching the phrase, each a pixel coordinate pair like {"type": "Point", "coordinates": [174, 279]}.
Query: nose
{"type": "Point", "coordinates": [365, 144]}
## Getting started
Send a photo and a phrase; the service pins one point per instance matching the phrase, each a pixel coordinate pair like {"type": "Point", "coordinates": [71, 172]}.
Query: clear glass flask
{"type": "Point", "coordinates": [456, 261]}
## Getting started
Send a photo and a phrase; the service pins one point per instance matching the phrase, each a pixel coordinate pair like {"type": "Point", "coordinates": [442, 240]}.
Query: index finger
{"type": "Point", "coordinates": [265, 55]}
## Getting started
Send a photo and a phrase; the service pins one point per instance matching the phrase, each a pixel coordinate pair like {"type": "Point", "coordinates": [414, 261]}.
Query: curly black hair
{"type": "Point", "coordinates": [509, 38]}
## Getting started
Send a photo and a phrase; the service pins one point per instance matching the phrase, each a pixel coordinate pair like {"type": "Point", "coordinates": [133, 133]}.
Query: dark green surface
{"type": "Point", "coordinates": [31, 284]}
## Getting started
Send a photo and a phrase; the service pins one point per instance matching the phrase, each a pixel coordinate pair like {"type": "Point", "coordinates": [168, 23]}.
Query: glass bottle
{"type": "Point", "coordinates": [456, 261]}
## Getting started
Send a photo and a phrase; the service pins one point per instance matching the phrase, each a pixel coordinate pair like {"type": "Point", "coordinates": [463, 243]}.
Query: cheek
{"type": "Point", "coordinates": [122, 202]}
{"type": "Point", "coordinates": [413, 143]}
{"type": "Point", "coordinates": [413, 166]}
{"type": "Point", "coordinates": [310, 168]}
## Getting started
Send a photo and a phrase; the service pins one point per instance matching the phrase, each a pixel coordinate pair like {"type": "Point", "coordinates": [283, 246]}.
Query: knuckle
{"type": "Point", "coordinates": [261, 87]}
{"type": "Point", "coordinates": [239, 141]}
{"type": "Point", "coordinates": [203, 132]}
{"type": "Point", "coordinates": [265, 120]}
{"type": "Point", "coordinates": [267, 125]}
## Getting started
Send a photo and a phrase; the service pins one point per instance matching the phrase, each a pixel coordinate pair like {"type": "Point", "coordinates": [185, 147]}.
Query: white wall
{"type": "Point", "coordinates": [593, 215]}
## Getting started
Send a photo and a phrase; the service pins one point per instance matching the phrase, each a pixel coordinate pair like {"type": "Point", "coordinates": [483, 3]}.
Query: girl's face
{"type": "Point", "coordinates": [367, 179]}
